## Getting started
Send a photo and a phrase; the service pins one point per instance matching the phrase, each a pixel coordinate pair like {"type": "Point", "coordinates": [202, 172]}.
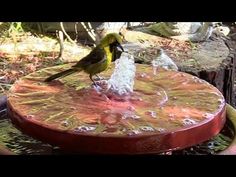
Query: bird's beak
{"type": "Point", "coordinates": [120, 47]}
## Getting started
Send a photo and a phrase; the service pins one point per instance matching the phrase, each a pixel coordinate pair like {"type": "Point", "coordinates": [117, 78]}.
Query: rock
{"type": "Point", "coordinates": [168, 29]}
{"type": "Point", "coordinates": [163, 29]}
{"type": "Point", "coordinates": [222, 29]}
{"type": "Point", "coordinates": [193, 31]}
{"type": "Point", "coordinates": [233, 36]}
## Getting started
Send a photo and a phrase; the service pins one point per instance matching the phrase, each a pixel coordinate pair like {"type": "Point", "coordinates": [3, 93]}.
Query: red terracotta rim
{"type": "Point", "coordinates": [128, 145]}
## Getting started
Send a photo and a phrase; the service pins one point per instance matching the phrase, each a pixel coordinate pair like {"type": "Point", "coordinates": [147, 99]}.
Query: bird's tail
{"type": "Point", "coordinates": [61, 74]}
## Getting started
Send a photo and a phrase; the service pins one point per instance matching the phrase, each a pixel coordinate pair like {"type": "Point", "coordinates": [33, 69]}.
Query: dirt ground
{"type": "Point", "coordinates": [32, 53]}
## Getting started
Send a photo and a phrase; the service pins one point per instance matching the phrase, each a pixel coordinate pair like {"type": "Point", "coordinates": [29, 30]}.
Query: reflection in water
{"type": "Point", "coordinates": [20, 143]}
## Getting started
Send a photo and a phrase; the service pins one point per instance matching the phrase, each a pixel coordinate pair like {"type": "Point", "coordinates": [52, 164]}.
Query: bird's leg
{"type": "Point", "coordinates": [99, 77]}
{"type": "Point", "coordinates": [96, 87]}
{"type": "Point", "coordinates": [91, 77]}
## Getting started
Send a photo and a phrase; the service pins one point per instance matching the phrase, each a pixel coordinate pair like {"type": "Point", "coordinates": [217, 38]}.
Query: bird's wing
{"type": "Point", "coordinates": [95, 56]}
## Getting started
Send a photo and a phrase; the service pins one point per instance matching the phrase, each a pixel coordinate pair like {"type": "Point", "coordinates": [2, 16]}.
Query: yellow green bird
{"type": "Point", "coordinates": [98, 60]}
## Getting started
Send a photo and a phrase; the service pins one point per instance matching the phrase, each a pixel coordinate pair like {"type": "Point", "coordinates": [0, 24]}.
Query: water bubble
{"type": "Point", "coordinates": [161, 130]}
{"type": "Point", "coordinates": [14, 96]}
{"type": "Point", "coordinates": [127, 116]}
{"type": "Point", "coordinates": [30, 116]}
{"type": "Point", "coordinates": [131, 108]}
{"type": "Point", "coordinates": [135, 117]}
{"type": "Point", "coordinates": [139, 99]}
{"type": "Point", "coordinates": [208, 115]}
{"type": "Point", "coordinates": [65, 123]}
{"type": "Point", "coordinates": [106, 111]}
{"type": "Point", "coordinates": [198, 81]}
{"type": "Point", "coordinates": [167, 153]}
{"type": "Point", "coordinates": [174, 98]}
{"type": "Point", "coordinates": [123, 129]}
{"type": "Point", "coordinates": [136, 99]}
{"type": "Point", "coordinates": [171, 115]}
{"type": "Point", "coordinates": [201, 81]}
{"type": "Point", "coordinates": [147, 128]}
{"type": "Point", "coordinates": [143, 75]}
{"type": "Point", "coordinates": [189, 121]}
{"type": "Point", "coordinates": [134, 132]}
{"type": "Point", "coordinates": [84, 128]}
{"type": "Point", "coordinates": [153, 114]}
{"type": "Point", "coordinates": [220, 100]}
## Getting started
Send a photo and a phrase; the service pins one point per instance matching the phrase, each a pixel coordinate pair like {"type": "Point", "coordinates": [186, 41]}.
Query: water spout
{"type": "Point", "coordinates": [121, 81]}
{"type": "Point", "coordinates": [163, 61]}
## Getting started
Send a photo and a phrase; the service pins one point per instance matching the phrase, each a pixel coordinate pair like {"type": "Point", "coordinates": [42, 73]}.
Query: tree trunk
{"type": "Point", "coordinates": [222, 75]}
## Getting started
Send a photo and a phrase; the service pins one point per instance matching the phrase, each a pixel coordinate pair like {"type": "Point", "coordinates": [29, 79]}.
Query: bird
{"type": "Point", "coordinates": [98, 60]}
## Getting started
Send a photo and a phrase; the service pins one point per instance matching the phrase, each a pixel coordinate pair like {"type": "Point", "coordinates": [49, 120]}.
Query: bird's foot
{"type": "Point", "coordinates": [96, 87]}
{"type": "Point", "coordinates": [100, 86]}
{"type": "Point", "coordinates": [95, 84]}
{"type": "Point", "coordinates": [99, 78]}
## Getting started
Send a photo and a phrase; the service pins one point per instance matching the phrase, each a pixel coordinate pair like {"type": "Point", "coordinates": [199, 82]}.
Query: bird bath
{"type": "Point", "coordinates": [168, 110]}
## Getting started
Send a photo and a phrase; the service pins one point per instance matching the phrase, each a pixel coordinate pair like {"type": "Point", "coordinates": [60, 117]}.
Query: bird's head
{"type": "Point", "coordinates": [113, 40]}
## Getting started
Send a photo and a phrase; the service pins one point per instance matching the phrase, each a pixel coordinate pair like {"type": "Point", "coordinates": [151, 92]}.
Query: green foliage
{"type": "Point", "coordinates": [8, 28]}
{"type": "Point", "coordinates": [164, 29]}
{"type": "Point", "coordinates": [15, 27]}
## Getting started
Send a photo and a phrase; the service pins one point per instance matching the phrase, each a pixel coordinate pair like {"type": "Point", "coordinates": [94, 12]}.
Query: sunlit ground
{"type": "Point", "coordinates": [29, 53]}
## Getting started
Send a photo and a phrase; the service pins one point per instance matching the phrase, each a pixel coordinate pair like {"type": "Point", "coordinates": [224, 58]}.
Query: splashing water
{"type": "Point", "coordinates": [163, 61]}
{"type": "Point", "coordinates": [147, 128]}
{"type": "Point", "coordinates": [189, 121]}
{"type": "Point", "coordinates": [122, 79]}
{"type": "Point", "coordinates": [84, 128]}
{"type": "Point", "coordinates": [153, 114]}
